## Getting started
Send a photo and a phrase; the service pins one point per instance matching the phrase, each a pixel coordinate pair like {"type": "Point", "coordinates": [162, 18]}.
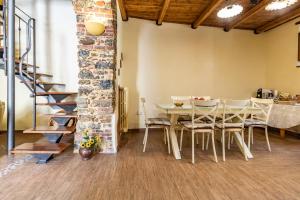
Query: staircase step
{"type": "Point", "coordinates": [58, 103]}
{"type": "Point", "coordinates": [41, 148]}
{"type": "Point", "coordinates": [37, 74]}
{"type": "Point", "coordinates": [40, 74]}
{"type": "Point", "coordinates": [55, 93]}
{"type": "Point", "coordinates": [44, 83]}
{"type": "Point", "coordinates": [52, 130]}
{"type": "Point", "coordinates": [63, 115]}
{"type": "Point", "coordinates": [25, 64]}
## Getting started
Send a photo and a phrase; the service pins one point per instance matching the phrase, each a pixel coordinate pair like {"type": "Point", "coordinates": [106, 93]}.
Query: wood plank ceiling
{"type": "Point", "coordinates": [204, 13]}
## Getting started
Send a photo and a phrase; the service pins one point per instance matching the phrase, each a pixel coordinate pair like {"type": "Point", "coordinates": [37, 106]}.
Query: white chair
{"type": "Point", "coordinates": [259, 119]}
{"type": "Point", "coordinates": [233, 120]}
{"type": "Point", "coordinates": [187, 100]}
{"type": "Point", "coordinates": [155, 123]}
{"type": "Point", "coordinates": [203, 121]}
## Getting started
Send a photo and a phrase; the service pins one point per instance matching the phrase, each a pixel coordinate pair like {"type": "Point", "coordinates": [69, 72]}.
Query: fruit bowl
{"type": "Point", "coordinates": [178, 104]}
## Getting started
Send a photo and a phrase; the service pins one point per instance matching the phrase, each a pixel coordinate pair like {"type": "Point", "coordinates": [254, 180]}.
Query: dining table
{"type": "Point", "coordinates": [174, 112]}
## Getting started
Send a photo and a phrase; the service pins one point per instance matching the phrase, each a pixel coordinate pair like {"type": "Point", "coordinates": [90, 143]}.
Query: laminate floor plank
{"type": "Point", "coordinates": [155, 175]}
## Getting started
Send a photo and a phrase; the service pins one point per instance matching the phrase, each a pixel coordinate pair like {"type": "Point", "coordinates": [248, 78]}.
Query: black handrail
{"type": "Point", "coordinates": [29, 22]}
{"type": "Point", "coordinates": [28, 48]}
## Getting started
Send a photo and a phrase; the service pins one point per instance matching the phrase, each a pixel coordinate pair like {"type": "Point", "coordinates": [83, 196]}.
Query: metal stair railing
{"type": "Point", "coordinates": [23, 19]}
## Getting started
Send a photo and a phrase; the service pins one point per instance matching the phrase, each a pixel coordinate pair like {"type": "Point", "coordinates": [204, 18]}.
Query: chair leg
{"type": "Point", "coordinates": [168, 140]}
{"type": "Point", "coordinates": [213, 145]}
{"type": "Point", "coordinates": [145, 139]}
{"type": "Point", "coordinates": [223, 144]}
{"type": "Point", "coordinates": [144, 136]}
{"type": "Point", "coordinates": [197, 139]}
{"type": "Point", "coordinates": [203, 141]}
{"type": "Point", "coordinates": [252, 140]}
{"type": "Point", "coordinates": [229, 138]}
{"type": "Point", "coordinates": [267, 138]}
{"type": "Point", "coordinates": [181, 138]}
{"type": "Point", "coordinates": [249, 137]}
{"type": "Point", "coordinates": [207, 140]}
{"type": "Point", "coordinates": [243, 144]}
{"type": "Point", "coordinates": [232, 138]}
{"type": "Point", "coordinates": [193, 146]}
{"type": "Point", "coordinates": [165, 136]}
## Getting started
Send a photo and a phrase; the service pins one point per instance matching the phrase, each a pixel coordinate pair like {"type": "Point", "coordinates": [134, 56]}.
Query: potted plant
{"type": "Point", "coordinates": [89, 144]}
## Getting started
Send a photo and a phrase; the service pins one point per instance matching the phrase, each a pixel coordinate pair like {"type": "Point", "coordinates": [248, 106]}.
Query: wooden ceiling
{"type": "Point", "coordinates": [204, 13]}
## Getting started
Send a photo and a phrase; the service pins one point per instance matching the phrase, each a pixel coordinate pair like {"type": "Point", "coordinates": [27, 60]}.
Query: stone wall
{"type": "Point", "coordinates": [97, 63]}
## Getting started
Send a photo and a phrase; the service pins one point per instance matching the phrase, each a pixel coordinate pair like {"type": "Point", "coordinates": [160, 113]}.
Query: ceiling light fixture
{"type": "Point", "coordinates": [279, 4]}
{"type": "Point", "coordinates": [230, 11]}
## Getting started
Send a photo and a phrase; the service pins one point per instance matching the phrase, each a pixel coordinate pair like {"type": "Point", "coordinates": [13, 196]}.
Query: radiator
{"type": "Point", "coordinates": [123, 109]}
{"type": "Point", "coordinates": [2, 109]}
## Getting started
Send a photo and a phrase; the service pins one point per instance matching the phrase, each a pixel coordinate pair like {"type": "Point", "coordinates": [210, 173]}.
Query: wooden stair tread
{"type": "Point", "coordinates": [38, 74]}
{"type": "Point", "coordinates": [41, 148]}
{"type": "Point", "coordinates": [41, 74]}
{"type": "Point", "coordinates": [55, 93]}
{"type": "Point", "coordinates": [26, 64]}
{"type": "Point", "coordinates": [58, 103]}
{"type": "Point", "coordinates": [51, 130]}
{"type": "Point", "coordinates": [44, 83]}
{"type": "Point", "coordinates": [63, 115]}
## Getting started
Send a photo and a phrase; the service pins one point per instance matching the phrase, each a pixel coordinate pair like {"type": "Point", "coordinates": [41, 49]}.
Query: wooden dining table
{"type": "Point", "coordinates": [173, 112]}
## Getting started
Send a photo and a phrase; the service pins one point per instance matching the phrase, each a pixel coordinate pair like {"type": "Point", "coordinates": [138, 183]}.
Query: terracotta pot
{"type": "Point", "coordinates": [85, 153]}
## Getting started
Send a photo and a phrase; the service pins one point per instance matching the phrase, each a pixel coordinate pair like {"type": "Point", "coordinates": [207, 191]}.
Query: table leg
{"type": "Point", "coordinates": [282, 133]}
{"type": "Point", "coordinates": [173, 138]}
{"type": "Point", "coordinates": [238, 140]}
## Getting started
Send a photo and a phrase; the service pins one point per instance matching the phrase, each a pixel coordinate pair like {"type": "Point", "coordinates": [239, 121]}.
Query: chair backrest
{"type": "Point", "coordinates": [265, 107]}
{"type": "Point", "coordinates": [235, 112]}
{"type": "Point", "coordinates": [205, 111]}
{"type": "Point", "coordinates": [143, 101]}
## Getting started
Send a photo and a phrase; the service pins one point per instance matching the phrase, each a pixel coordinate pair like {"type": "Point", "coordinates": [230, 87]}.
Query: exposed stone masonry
{"type": "Point", "coordinates": [97, 63]}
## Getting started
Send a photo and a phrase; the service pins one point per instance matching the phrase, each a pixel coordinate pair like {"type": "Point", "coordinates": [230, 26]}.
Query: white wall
{"type": "Point", "coordinates": [172, 59]}
{"type": "Point", "coordinates": [56, 52]}
{"type": "Point", "coordinates": [282, 47]}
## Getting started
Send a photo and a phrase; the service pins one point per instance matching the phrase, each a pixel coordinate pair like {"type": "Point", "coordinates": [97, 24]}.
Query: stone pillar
{"type": "Point", "coordinates": [97, 63]}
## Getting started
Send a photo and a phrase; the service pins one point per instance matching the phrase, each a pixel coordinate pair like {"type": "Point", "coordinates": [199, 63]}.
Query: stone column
{"type": "Point", "coordinates": [97, 64]}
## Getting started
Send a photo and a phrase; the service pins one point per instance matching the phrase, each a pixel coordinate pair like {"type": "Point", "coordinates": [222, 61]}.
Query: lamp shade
{"type": "Point", "coordinates": [94, 27]}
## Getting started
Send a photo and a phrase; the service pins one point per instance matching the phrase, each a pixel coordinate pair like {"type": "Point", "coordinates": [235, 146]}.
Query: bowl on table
{"type": "Point", "coordinates": [178, 104]}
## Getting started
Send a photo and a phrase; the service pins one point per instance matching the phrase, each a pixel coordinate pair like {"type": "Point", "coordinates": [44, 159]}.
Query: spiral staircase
{"type": "Point", "coordinates": [61, 123]}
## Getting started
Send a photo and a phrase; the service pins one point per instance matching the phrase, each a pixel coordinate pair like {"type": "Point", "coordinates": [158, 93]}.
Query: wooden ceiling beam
{"type": "Point", "coordinates": [163, 12]}
{"type": "Point", "coordinates": [123, 10]}
{"type": "Point", "coordinates": [206, 13]}
{"type": "Point", "coordinates": [279, 21]}
{"type": "Point", "coordinates": [247, 15]}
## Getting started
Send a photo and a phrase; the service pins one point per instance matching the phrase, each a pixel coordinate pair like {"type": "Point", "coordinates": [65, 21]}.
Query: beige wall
{"type": "Point", "coordinates": [56, 53]}
{"type": "Point", "coordinates": [281, 48]}
{"type": "Point", "coordinates": [161, 61]}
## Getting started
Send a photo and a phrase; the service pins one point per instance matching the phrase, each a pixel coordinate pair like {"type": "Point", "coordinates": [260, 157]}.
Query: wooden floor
{"type": "Point", "coordinates": [132, 174]}
{"type": "Point", "coordinates": [20, 139]}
